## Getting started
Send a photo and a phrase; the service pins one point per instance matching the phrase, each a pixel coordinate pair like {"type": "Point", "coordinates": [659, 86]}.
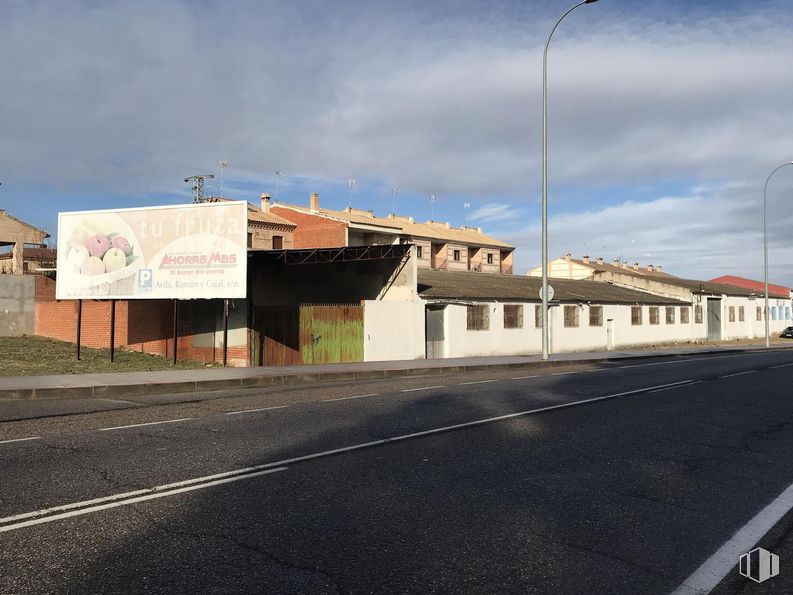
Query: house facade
{"type": "Point", "coordinates": [438, 245]}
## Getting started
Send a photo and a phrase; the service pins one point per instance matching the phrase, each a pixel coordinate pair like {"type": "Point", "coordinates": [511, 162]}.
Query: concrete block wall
{"type": "Point", "coordinates": [17, 305]}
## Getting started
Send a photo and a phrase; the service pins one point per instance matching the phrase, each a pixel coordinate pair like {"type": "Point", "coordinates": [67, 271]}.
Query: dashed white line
{"type": "Point", "coordinates": [255, 410]}
{"type": "Point", "coordinates": [571, 372]}
{"type": "Point", "coordinates": [738, 374]}
{"type": "Point", "coordinates": [151, 423]}
{"type": "Point", "coordinates": [477, 382]}
{"type": "Point", "coordinates": [677, 385]}
{"type": "Point", "coordinates": [353, 397]}
{"type": "Point", "coordinates": [782, 366]}
{"type": "Point", "coordinates": [410, 390]}
{"type": "Point", "coordinates": [253, 471]}
{"type": "Point", "coordinates": [715, 568]}
{"type": "Point", "coordinates": [525, 377]}
{"type": "Point", "coordinates": [20, 439]}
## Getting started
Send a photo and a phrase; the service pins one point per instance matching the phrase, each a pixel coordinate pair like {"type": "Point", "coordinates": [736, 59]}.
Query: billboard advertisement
{"type": "Point", "coordinates": [196, 251]}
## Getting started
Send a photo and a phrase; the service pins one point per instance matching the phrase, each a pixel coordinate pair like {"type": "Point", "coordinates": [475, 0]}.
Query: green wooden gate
{"type": "Point", "coordinates": [331, 333]}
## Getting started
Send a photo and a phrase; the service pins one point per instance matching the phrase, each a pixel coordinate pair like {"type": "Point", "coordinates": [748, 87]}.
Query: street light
{"type": "Point", "coordinates": [765, 248]}
{"type": "Point", "coordinates": [544, 290]}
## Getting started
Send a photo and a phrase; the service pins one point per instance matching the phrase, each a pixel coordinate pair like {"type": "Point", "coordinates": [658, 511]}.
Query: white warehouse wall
{"type": "Point", "coordinates": [393, 330]}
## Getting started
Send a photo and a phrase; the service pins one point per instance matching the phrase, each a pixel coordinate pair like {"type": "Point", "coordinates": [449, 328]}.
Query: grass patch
{"type": "Point", "coordinates": [27, 356]}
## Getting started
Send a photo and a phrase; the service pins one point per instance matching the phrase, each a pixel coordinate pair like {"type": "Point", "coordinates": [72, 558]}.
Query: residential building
{"type": "Point", "coordinates": [28, 253]}
{"type": "Point", "coordinates": [438, 245]}
{"type": "Point", "coordinates": [266, 230]}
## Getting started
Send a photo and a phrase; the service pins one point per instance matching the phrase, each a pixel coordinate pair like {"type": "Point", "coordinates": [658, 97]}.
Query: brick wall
{"type": "Point", "coordinates": [314, 231]}
{"type": "Point", "coordinates": [141, 325]}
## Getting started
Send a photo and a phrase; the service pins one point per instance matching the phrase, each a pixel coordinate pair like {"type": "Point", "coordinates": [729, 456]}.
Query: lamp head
{"type": "Point", "coordinates": [590, 1]}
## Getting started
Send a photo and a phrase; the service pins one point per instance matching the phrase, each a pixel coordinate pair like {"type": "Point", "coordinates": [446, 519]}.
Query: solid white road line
{"type": "Point", "coordinates": [151, 423]}
{"type": "Point", "coordinates": [715, 568]}
{"type": "Point", "coordinates": [410, 390]}
{"type": "Point", "coordinates": [354, 397]}
{"type": "Point", "coordinates": [525, 377]}
{"type": "Point", "coordinates": [478, 382]}
{"type": "Point", "coordinates": [738, 374]}
{"type": "Point", "coordinates": [255, 410]}
{"type": "Point", "coordinates": [174, 488]}
{"type": "Point", "coordinates": [782, 366]}
{"type": "Point", "coordinates": [20, 439]}
{"type": "Point", "coordinates": [572, 372]}
{"type": "Point", "coordinates": [134, 500]}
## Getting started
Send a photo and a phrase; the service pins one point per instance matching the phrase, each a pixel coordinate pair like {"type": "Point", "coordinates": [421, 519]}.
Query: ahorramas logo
{"type": "Point", "coordinates": [197, 261]}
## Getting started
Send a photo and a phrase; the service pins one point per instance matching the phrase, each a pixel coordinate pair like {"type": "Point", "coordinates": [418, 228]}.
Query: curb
{"type": "Point", "coordinates": [202, 386]}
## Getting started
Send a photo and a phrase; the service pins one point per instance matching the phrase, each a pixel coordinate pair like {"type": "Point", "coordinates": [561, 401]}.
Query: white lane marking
{"type": "Point", "coordinates": [782, 366]}
{"type": "Point", "coordinates": [20, 439]}
{"type": "Point", "coordinates": [477, 382]}
{"type": "Point", "coordinates": [151, 423]}
{"type": "Point", "coordinates": [255, 410]}
{"type": "Point", "coordinates": [353, 397]}
{"type": "Point", "coordinates": [573, 372]}
{"type": "Point", "coordinates": [134, 500]}
{"type": "Point", "coordinates": [525, 377]}
{"type": "Point", "coordinates": [410, 390]}
{"type": "Point", "coordinates": [677, 385]}
{"type": "Point", "coordinates": [714, 569]}
{"type": "Point", "coordinates": [248, 470]}
{"type": "Point", "coordinates": [738, 374]}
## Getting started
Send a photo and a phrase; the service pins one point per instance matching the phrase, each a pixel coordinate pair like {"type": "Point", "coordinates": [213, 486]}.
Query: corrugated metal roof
{"type": "Point", "coordinates": [434, 284]}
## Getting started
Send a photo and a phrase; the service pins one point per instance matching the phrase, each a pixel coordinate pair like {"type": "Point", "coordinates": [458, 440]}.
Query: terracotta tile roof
{"type": "Point", "coordinates": [434, 284]}
{"type": "Point", "coordinates": [256, 214]}
{"type": "Point", "coordinates": [428, 230]}
{"type": "Point", "coordinates": [756, 286]}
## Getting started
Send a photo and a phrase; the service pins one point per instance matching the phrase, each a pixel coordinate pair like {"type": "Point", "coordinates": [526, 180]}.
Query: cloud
{"type": "Point", "coordinates": [495, 212]}
{"type": "Point", "coordinates": [693, 236]}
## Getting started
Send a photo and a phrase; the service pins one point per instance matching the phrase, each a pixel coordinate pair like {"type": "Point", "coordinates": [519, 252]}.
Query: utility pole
{"type": "Point", "coordinates": [198, 186]}
{"type": "Point", "coordinates": [223, 164]}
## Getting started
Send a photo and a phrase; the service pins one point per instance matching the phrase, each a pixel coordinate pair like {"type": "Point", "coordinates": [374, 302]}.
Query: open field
{"type": "Point", "coordinates": [26, 356]}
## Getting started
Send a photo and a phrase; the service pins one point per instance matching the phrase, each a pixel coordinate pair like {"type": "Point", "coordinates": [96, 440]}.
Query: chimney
{"type": "Point", "coordinates": [568, 256]}
{"type": "Point", "coordinates": [616, 262]}
{"type": "Point", "coordinates": [314, 201]}
{"type": "Point", "coordinates": [650, 268]}
{"type": "Point", "coordinates": [265, 202]}
{"type": "Point", "coordinates": [635, 266]}
{"type": "Point", "coordinates": [585, 259]}
{"type": "Point", "coordinates": [600, 260]}
{"type": "Point", "coordinates": [658, 268]}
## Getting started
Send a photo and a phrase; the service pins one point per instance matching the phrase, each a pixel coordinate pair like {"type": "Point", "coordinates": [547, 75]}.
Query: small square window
{"type": "Point", "coordinates": [513, 316]}
{"type": "Point", "coordinates": [571, 316]}
{"type": "Point", "coordinates": [478, 318]}
{"type": "Point", "coordinates": [595, 315]}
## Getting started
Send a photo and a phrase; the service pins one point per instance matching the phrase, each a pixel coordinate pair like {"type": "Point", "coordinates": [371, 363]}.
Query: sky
{"type": "Point", "coordinates": [664, 117]}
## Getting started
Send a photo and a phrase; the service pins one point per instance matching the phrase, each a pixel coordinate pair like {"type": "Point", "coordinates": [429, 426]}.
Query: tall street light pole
{"type": "Point", "coordinates": [544, 290]}
{"type": "Point", "coordinates": [765, 249]}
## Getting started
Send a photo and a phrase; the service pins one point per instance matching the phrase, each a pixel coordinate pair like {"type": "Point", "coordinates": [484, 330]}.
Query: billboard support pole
{"type": "Point", "coordinates": [225, 331]}
{"type": "Point", "coordinates": [175, 328]}
{"type": "Point", "coordinates": [79, 325]}
{"type": "Point", "coordinates": [112, 331]}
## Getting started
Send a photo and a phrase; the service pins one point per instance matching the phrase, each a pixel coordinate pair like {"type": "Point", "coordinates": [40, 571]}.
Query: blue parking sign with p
{"type": "Point", "coordinates": [144, 279]}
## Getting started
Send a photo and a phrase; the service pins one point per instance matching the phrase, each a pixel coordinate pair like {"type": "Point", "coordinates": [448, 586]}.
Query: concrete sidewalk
{"type": "Point", "coordinates": [186, 381]}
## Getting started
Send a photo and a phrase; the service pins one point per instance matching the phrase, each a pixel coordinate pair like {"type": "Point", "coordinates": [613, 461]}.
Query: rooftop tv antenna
{"type": "Point", "coordinates": [432, 207]}
{"type": "Point", "coordinates": [198, 186]}
{"type": "Point", "coordinates": [395, 196]}
{"type": "Point", "coordinates": [223, 164]}
{"type": "Point", "coordinates": [350, 186]}
{"type": "Point", "coordinates": [466, 207]}
{"type": "Point", "coordinates": [277, 175]}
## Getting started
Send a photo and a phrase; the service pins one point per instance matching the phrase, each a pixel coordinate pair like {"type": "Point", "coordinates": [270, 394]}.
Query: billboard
{"type": "Point", "coordinates": [194, 251]}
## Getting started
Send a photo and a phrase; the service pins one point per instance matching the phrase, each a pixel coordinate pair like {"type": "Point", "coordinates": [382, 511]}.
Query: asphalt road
{"type": "Point", "coordinates": [620, 478]}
